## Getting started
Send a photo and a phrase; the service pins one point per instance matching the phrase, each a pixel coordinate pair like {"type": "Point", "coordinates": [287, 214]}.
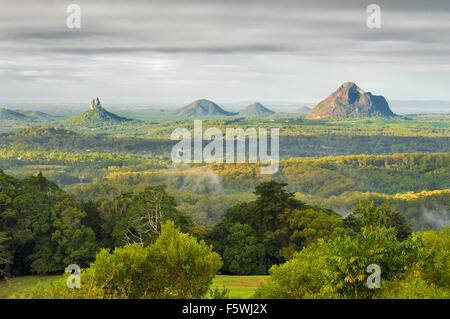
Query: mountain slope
{"type": "Point", "coordinates": [202, 108]}
{"type": "Point", "coordinates": [7, 114]}
{"type": "Point", "coordinates": [256, 110]}
{"type": "Point", "coordinates": [36, 115]}
{"type": "Point", "coordinates": [349, 100]}
{"type": "Point", "coordinates": [96, 116]}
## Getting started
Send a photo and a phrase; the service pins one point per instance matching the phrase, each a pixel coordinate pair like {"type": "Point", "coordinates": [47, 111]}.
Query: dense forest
{"type": "Point", "coordinates": [134, 239]}
{"type": "Point", "coordinates": [64, 141]}
{"type": "Point", "coordinates": [317, 179]}
{"type": "Point", "coordinates": [44, 228]}
{"type": "Point", "coordinates": [348, 193]}
{"type": "Point", "coordinates": [96, 167]}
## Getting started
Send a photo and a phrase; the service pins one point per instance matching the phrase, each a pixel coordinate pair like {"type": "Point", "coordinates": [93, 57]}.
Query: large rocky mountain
{"type": "Point", "coordinates": [96, 116]}
{"type": "Point", "coordinates": [349, 100]}
{"type": "Point", "coordinates": [202, 108]}
{"type": "Point", "coordinates": [255, 110]}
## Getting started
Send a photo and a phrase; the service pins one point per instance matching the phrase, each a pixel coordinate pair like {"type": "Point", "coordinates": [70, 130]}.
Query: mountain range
{"type": "Point", "coordinates": [347, 100]}
{"type": "Point", "coordinates": [207, 108]}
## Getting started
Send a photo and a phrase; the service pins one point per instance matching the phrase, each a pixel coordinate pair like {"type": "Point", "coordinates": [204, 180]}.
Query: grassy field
{"type": "Point", "coordinates": [20, 285]}
{"type": "Point", "coordinates": [241, 287]}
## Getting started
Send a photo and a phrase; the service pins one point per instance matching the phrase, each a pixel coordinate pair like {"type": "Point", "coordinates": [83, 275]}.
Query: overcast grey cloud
{"type": "Point", "coordinates": [177, 51]}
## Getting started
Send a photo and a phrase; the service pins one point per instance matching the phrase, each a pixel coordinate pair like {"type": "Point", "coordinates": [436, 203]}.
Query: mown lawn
{"type": "Point", "coordinates": [21, 285]}
{"type": "Point", "coordinates": [239, 286]}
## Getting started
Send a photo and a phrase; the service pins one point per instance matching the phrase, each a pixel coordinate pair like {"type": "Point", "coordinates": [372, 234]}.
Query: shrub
{"type": "Point", "coordinates": [175, 266]}
{"type": "Point", "coordinates": [303, 276]}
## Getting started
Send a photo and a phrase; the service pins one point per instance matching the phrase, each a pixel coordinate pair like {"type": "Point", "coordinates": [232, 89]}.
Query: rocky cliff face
{"type": "Point", "coordinates": [349, 100]}
{"type": "Point", "coordinates": [95, 104]}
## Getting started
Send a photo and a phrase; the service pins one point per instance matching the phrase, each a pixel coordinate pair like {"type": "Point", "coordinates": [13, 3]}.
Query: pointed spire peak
{"type": "Point", "coordinates": [95, 104]}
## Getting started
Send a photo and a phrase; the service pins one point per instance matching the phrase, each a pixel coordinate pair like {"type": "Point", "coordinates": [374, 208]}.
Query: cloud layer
{"type": "Point", "coordinates": [175, 51]}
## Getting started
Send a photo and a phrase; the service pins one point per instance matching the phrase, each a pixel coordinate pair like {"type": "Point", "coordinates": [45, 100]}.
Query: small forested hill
{"type": "Point", "coordinates": [6, 114]}
{"type": "Point", "coordinates": [304, 110]}
{"type": "Point", "coordinates": [201, 108]}
{"type": "Point", "coordinates": [255, 110]}
{"type": "Point", "coordinates": [61, 140]}
{"type": "Point", "coordinates": [349, 100]}
{"type": "Point", "coordinates": [37, 115]}
{"type": "Point", "coordinates": [96, 116]}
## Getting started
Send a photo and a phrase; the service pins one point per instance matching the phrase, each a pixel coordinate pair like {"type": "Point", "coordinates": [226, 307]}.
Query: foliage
{"type": "Point", "coordinates": [399, 222]}
{"type": "Point", "coordinates": [413, 287]}
{"type": "Point", "coordinates": [5, 256]}
{"type": "Point", "coordinates": [436, 270]}
{"type": "Point", "coordinates": [243, 254]}
{"type": "Point", "coordinates": [351, 257]}
{"type": "Point", "coordinates": [136, 218]}
{"type": "Point", "coordinates": [106, 166]}
{"type": "Point", "coordinates": [217, 293]}
{"type": "Point", "coordinates": [376, 244]}
{"type": "Point", "coordinates": [376, 216]}
{"type": "Point", "coordinates": [187, 266]}
{"type": "Point", "coordinates": [43, 227]}
{"type": "Point", "coordinates": [423, 210]}
{"type": "Point", "coordinates": [309, 225]}
{"type": "Point", "coordinates": [301, 277]}
{"type": "Point", "coordinates": [338, 268]}
{"type": "Point", "coordinates": [69, 242]}
{"type": "Point", "coordinates": [257, 224]}
{"type": "Point", "coordinates": [175, 266]}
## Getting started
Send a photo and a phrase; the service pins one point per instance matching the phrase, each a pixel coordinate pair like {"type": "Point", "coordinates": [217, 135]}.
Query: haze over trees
{"type": "Point", "coordinates": [99, 189]}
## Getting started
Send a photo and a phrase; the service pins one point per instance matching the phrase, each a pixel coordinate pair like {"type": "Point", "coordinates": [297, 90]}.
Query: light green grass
{"type": "Point", "coordinates": [240, 286]}
{"type": "Point", "coordinates": [21, 285]}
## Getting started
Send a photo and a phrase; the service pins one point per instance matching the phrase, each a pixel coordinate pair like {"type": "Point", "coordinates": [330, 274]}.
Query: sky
{"type": "Point", "coordinates": [175, 51]}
